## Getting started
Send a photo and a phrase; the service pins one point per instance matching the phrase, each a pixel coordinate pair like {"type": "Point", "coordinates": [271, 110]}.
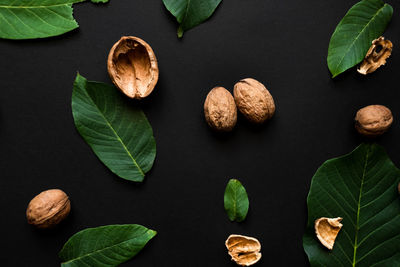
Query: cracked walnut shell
{"type": "Point", "coordinates": [220, 109]}
{"type": "Point", "coordinates": [254, 100]}
{"type": "Point", "coordinates": [373, 120]}
{"type": "Point", "coordinates": [132, 66]}
{"type": "Point", "coordinates": [244, 250]}
{"type": "Point", "coordinates": [376, 56]}
{"type": "Point", "coordinates": [48, 208]}
{"type": "Point", "coordinates": [327, 229]}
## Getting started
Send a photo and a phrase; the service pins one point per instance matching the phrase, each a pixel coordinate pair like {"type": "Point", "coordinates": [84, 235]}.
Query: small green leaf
{"type": "Point", "coordinates": [116, 130]}
{"type": "Point", "coordinates": [105, 246]}
{"type": "Point", "coordinates": [360, 187]}
{"type": "Point", "coordinates": [190, 13]}
{"type": "Point", "coordinates": [99, 1]}
{"type": "Point", "coordinates": [364, 22]}
{"type": "Point", "coordinates": [236, 202]}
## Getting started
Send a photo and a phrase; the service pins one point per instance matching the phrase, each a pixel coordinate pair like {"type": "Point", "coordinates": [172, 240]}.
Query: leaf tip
{"type": "Point", "coordinates": [180, 32]}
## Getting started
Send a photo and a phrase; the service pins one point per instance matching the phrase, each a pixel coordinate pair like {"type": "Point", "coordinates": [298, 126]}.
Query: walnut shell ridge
{"type": "Point", "coordinates": [373, 120]}
{"type": "Point", "coordinates": [133, 67]}
{"type": "Point", "coordinates": [220, 109]}
{"type": "Point", "coordinates": [253, 100]}
{"type": "Point", "coordinates": [48, 208]}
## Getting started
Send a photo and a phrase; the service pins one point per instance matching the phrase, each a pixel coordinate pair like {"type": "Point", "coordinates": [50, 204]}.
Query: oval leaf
{"type": "Point", "coordinates": [236, 202]}
{"type": "Point", "coordinates": [105, 246]}
{"type": "Point", "coordinates": [118, 132]}
{"type": "Point", "coordinates": [190, 13]}
{"type": "Point", "coordinates": [360, 187]}
{"type": "Point", "coordinates": [364, 22]}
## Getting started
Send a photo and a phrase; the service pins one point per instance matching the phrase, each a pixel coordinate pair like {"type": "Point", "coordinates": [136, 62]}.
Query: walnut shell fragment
{"type": "Point", "coordinates": [244, 250]}
{"type": "Point", "coordinates": [48, 208]}
{"type": "Point", "coordinates": [373, 120]}
{"type": "Point", "coordinates": [376, 56]}
{"type": "Point", "coordinates": [253, 100]}
{"type": "Point", "coordinates": [220, 110]}
{"type": "Point", "coordinates": [327, 229]}
{"type": "Point", "coordinates": [132, 66]}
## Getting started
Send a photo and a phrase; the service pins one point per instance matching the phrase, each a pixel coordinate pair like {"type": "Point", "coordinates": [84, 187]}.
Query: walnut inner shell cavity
{"type": "Point", "coordinates": [133, 67]}
{"type": "Point", "coordinates": [244, 250]}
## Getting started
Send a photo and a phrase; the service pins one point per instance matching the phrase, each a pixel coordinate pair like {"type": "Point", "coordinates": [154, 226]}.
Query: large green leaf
{"type": "Point", "coordinates": [105, 246]}
{"type": "Point", "coordinates": [190, 13]}
{"type": "Point", "coordinates": [236, 202]}
{"type": "Point", "coordinates": [117, 131]}
{"type": "Point", "coordinates": [360, 187]}
{"type": "Point", "coordinates": [364, 22]}
{"type": "Point", "coordinates": [28, 19]}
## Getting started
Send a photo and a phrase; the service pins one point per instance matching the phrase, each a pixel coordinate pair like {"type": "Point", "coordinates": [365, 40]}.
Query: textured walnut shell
{"type": "Point", "coordinates": [132, 66]}
{"type": "Point", "coordinates": [327, 230]}
{"type": "Point", "coordinates": [254, 100]}
{"type": "Point", "coordinates": [220, 109]}
{"type": "Point", "coordinates": [373, 60]}
{"type": "Point", "coordinates": [244, 250]}
{"type": "Point", "coordinates": [48, 208]}
{"type": "Point", "coordinates": [373, 120]}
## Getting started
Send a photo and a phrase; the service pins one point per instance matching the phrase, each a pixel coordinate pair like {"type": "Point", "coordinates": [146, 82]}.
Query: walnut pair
{"type": "Point", "coordinates": [249, 96]}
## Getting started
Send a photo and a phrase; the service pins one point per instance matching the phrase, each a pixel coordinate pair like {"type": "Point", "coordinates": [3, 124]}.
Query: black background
{"type": "Point", "coordinates": [280, 43]}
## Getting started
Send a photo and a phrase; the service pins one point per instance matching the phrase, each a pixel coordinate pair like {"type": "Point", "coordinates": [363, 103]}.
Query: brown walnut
{"type": "Point", "coordinates": [254, 100]}
{"type": "Point", "coordinates": [327, 230]}
{"type": "Point", "coordinates": [220, 109]}
{"type": "Point", "coordinates": [48, 208]}
{"type": "Point", "coordinates": [244, 250]}
{"type": "Point", "coordinates": [132, 66]}
{"type": "Point", "coordinates": [373, 120]}
{"type": "Point", "coordinates": [374, 58]}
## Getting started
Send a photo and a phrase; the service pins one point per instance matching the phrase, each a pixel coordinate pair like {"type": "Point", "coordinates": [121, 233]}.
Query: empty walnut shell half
{"type": "Point", "coordinates": [133, 67]}
{"type": "Point", "coordinates": [376, 56]}
{"type": "Point", "coordinates": [48, 208]}
{"type": "Point", "coordinates": [373, 120]}
{"type": "Point", "coordinates": [244, 250]}
{"type": "Point", "coordinates": [327, 229]}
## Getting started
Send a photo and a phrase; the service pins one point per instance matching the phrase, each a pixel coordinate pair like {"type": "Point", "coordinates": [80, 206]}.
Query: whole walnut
{"type": "Point", "coordinates": [254, 100]}
{"type": "Point", "coordinates": [220, 109]}
{"type": "Point", "coordinates": [48, 208]}
{"type": "Point", "coordinates": [373, 120]}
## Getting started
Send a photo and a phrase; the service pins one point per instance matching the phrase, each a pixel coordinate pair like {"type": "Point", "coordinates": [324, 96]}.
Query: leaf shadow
{"type": "Point", "coordinates": [53, 39]}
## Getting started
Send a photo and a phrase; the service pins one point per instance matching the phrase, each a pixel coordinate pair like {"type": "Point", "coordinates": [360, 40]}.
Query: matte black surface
{"type": "Point", "coordinates": [281, 43]}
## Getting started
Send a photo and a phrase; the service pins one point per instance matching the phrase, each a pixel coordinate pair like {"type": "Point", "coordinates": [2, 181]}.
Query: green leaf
{"type": "Point", "coordinates": [190, 13]}
{"type": "Point", "coordinates": [364, 22]}
{"type": "Point", "coordinates": [360, 187]}
{"type": "Point", "coordinates": [104, 246]}
{"type": "Point", "coordinates": [117, 131]}
{"type": "Point", "coordinates": [29, 19]}
{"type": "Point", "coordinates": [99, 1]}
{"type": "Point", "coordinates": [236, 202]}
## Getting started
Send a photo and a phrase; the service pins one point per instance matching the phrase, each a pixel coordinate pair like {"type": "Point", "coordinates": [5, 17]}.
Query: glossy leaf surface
{"type": "Point", "coordinates": [360, 187]}
{"type": "Point", "coordinates": [116, 130]}
{"type": "Point", "coordinates": [236, 202]}
{"type": "Point", "coordinates": [190, 13]}
{"type": "Point", "coordinates": [105, 246]}
{"type": "Point", "coordinates": [353, 36]}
